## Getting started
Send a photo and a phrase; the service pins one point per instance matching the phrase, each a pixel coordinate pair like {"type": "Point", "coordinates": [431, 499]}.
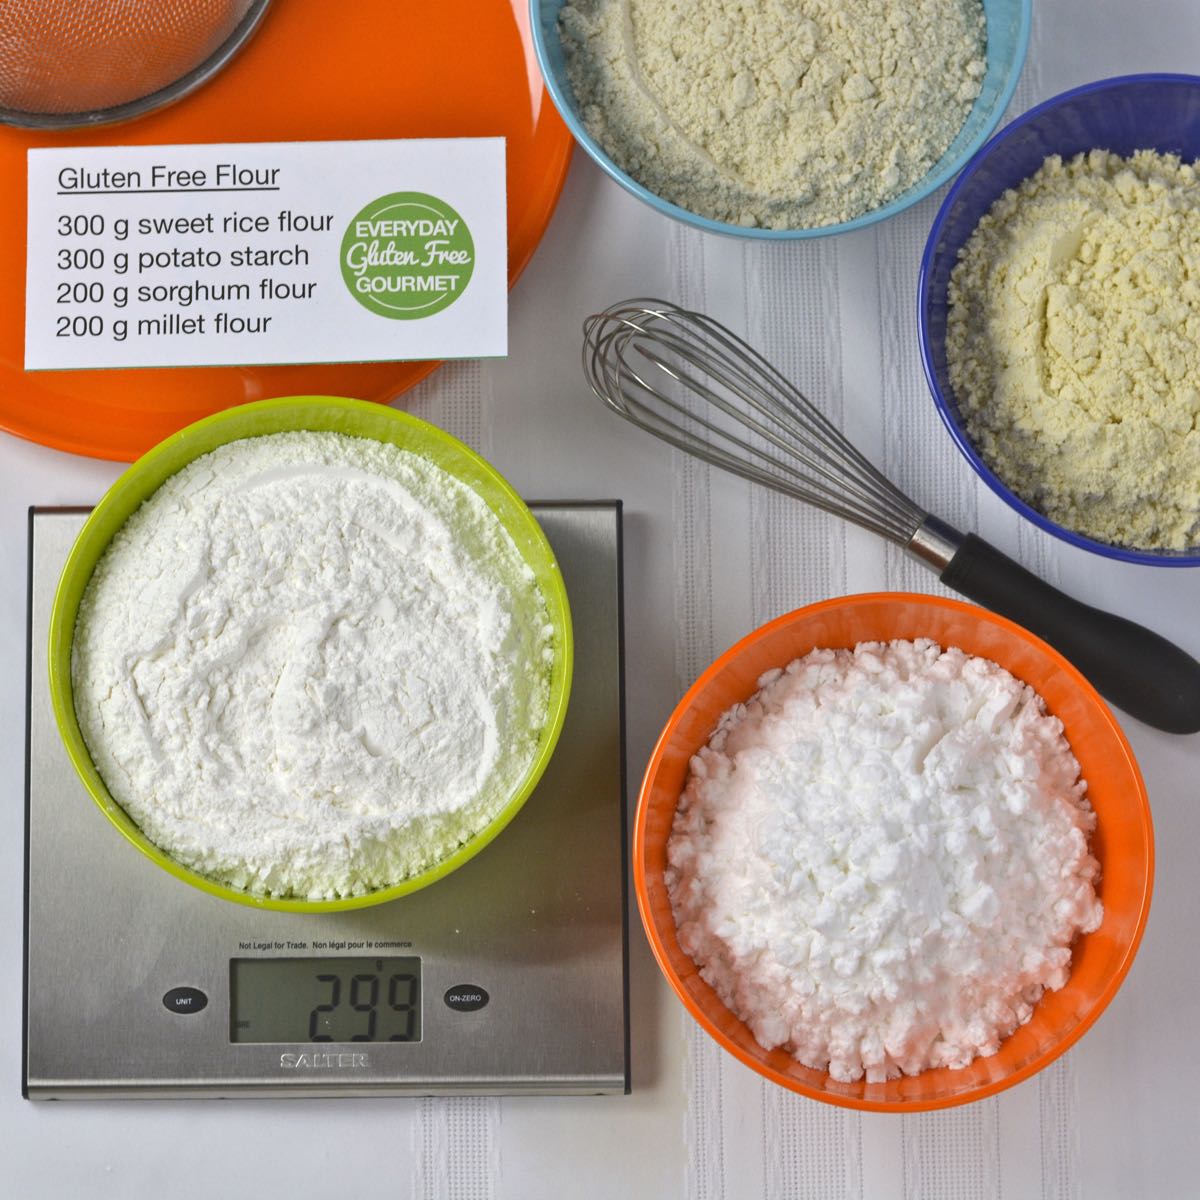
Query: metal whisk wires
{"type": "Point", "coordinates": [686, 379]}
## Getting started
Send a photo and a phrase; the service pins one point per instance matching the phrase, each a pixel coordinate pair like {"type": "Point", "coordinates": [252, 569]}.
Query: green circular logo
{"type": "Point", "coordinates": [407, 255]}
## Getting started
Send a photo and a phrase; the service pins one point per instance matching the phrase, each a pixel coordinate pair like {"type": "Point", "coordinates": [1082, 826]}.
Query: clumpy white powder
{"type": "Point", "coordinates": [880, 860]}
{"type": "Point", "coordinates": [1073, 345]}
{"type": "Point", "coordinates": [775, 113]}
{"type": "Point", "coordinates": [312, 665]}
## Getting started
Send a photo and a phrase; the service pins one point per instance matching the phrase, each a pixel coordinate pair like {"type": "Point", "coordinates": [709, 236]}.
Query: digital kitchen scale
{"type": "Point", "coordinates": [507, 976]}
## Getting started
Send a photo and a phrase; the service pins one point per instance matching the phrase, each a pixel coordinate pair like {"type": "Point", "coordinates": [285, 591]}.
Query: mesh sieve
{"type": "Point", "coordinates": [65, 63]}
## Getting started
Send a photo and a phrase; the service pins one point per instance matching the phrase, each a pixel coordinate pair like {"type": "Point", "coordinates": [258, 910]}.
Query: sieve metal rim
{"type": "Point", "coordinates": [160, 98]}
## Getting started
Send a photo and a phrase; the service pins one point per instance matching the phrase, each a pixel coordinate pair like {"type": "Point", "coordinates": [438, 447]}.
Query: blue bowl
{"type": "Point", "coordinates": [1123, 115]}
{"type": "Point", "coordinates": [1007, 40]}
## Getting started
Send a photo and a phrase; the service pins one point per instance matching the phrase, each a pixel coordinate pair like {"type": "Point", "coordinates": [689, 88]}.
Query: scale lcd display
{"type": "Point", "coordinates": [325, 1000]}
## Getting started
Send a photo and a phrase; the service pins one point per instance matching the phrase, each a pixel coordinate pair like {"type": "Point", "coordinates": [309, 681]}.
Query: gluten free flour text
{"type": "Point", "coordinates": [881, 861]}
{"type": "Point", "coordinates": [312, 665]}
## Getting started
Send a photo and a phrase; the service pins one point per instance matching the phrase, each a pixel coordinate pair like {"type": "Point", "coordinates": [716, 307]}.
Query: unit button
{"type": "Point", "coordinates": [185, 1000]}
{"type": "Point", "coordinates": [466, 997]}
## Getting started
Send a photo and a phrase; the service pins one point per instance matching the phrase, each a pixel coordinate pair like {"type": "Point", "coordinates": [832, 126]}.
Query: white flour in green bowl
{"type": "Point", "coordinates": [312, 665]}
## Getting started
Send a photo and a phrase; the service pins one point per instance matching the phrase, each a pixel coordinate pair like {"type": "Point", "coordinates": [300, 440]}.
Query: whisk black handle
{"type": "Point", "coordinates": [1142, 673]}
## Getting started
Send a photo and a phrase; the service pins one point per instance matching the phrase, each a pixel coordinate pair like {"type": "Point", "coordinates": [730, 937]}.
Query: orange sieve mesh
{"type": "Point", "coordinates": [80, 58]}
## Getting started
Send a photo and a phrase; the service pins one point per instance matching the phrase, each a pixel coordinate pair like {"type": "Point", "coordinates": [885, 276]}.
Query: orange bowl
{"type": "Point", "coordinates": [1123, 841]}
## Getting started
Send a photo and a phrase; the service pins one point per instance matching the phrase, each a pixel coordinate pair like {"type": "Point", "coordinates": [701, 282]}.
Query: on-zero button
{"type": "Point", "coordinates": [466, 997]}
{"type": "Point", "coordinates": [185, 1000]}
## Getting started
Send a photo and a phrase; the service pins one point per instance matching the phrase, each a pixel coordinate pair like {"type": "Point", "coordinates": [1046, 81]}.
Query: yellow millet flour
{"type": "Point", "coordinates": [1073, 345]}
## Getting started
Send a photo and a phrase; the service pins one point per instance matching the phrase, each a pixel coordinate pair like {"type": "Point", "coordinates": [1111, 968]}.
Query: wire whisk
{"type": "Point", "coordinates": [686, 379]}
{"type": "Point", "coordinates": [745, 418]}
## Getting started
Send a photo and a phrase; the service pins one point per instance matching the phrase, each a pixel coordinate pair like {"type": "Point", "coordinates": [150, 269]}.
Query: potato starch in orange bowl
{"type": "Point", "coordinates": [880, 861]}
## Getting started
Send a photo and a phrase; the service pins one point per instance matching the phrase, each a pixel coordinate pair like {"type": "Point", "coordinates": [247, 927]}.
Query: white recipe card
{"type": "Point", "coordinates": [259, 253]}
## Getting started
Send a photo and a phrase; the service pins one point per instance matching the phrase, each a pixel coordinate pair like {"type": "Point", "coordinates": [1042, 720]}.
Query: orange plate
{"type": "Point", "coordinates": [314, 71]}
{"type": "Point", "coordinates": [1123, 841]}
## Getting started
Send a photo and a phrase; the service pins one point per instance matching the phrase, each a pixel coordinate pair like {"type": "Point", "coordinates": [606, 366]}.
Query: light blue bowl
{"type": "Point", "coordinates": [1122, 115]}
{"type": "Point", "coordinates": [1007, 40]}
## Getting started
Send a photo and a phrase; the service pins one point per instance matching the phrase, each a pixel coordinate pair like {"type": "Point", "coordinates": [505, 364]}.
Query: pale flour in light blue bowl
{"type": "Point", "coordinates": [1007, 34]}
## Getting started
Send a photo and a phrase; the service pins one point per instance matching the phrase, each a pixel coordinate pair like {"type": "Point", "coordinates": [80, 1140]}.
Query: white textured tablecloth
{"type": "Point", "coordinates": [708, 558]}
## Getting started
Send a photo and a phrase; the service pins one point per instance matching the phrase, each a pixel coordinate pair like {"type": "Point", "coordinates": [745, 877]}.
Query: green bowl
{"type": "Point", "coordinates": [323, 414]}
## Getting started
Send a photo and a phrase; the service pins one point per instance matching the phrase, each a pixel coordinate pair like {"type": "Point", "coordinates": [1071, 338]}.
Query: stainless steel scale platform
{"type": "Point", "coordinates": [508, 976]}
